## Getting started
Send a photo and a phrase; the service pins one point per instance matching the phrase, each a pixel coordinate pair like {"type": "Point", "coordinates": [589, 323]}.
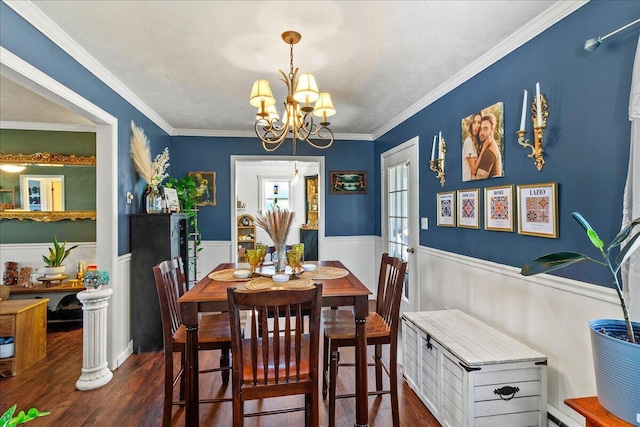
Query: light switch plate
{"type": "Point", "coordinates": [424, 223]}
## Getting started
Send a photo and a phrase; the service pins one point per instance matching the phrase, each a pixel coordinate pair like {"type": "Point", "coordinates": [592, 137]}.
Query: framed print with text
{"type": "Point", "coordinates": [468, 208]}
{"type": "Point", "coordinates": [538, 210]}
{"type": "Point", "coordinates": [499, 208]}
{"type": "Point", "coordinates": [446, 209]}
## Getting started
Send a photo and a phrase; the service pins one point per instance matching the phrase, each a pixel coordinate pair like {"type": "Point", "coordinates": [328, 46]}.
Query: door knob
{"type": "Point", "coordinates": [410, 250]}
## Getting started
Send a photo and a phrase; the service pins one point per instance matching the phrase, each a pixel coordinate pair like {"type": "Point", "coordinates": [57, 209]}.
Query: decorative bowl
{"type": "Point", "coordinates": [241, 274]}
{"type": "Point", "coordinates": [309, 267]}
{"type": "Point", "coordinates": [280, 277]}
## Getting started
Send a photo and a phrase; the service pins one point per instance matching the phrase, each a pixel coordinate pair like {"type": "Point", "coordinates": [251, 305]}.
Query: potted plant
{"type": "Point", "coordinates": [615, 343]}
{"type": "Point", "coordinates": [8, 420]}
{"type": "Point", "coordinates": [57, 254]}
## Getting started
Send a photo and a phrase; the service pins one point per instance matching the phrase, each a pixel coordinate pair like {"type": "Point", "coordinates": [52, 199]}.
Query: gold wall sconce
{"type": "Point", "coordinates": [437, 164]}
{"type": "Point", "coordinates": [539, 114]}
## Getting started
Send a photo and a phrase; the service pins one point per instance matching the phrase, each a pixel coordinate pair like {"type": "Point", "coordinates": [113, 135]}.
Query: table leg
{"type": "Point", "coordinates": [362, 405]}
{"type": "Point", "coordinates": [191, 394]}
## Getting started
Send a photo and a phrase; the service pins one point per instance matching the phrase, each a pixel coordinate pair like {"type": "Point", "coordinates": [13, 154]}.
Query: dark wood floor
{"type": "Point", "coordinates": [134, 395]}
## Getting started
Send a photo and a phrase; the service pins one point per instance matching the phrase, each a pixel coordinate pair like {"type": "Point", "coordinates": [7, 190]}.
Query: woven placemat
{"type": "Point", "coordinates": [226, 276]}
{"type": "Point", "coordinates": [265, 283]}
{"type": "Point", "coordinates": [325, 273]}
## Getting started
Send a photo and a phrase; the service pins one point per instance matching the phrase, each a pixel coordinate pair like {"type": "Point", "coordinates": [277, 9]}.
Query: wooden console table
{"type": "Point", "coordinates": [61, 287]}
{"type": "Point", "coordinates": [26, 321]}
{"type": "Point", "coordinates": [594, 413]}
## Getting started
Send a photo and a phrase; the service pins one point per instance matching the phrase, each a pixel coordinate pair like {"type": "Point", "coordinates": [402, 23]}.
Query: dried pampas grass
{"type": "Point", "coordinates": [140, 153]}
{"type": "Point", "coordinates": [276, 223]}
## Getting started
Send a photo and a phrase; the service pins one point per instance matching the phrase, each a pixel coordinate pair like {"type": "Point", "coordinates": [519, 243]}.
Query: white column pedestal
{"type": "Point", "coordinates": [95, 372]}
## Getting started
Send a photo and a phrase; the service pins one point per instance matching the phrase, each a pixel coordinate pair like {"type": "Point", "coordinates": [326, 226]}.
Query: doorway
{"type": "Point", "coordinates": [400, 214]}
{"type": "Point", "coordinates": [253, 180]}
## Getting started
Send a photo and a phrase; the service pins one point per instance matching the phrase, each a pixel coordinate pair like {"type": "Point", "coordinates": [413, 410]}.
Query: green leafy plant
{"type": "Point", "coordinates": [8, 420]}
{"type": "Point", "coordinates": [57, 254]}
{"type": "Point", "coordinates": [557, 260]}
{"type": "Point", "coordinates": [187, 192]}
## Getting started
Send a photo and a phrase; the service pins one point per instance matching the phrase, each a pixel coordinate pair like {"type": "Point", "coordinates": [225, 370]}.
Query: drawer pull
{"type": "Point", "coordinates": [507, 392]}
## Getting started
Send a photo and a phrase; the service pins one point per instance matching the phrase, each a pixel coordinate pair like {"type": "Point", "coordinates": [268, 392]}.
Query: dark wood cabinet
{"type": "Point", "coordinates": [154, 238]}
{"type": "Point", "coordinates": [310, 239]}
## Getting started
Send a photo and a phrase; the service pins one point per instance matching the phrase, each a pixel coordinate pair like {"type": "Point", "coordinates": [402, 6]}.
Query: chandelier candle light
{"type": "Point", "coordinates": [297, 119]}
{"type": "Point", "coordinates": [539, 116]}
{"type": "Point", "coordinates": [437, 164]}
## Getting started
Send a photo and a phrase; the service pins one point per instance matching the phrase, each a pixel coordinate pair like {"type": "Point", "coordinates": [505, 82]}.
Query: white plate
{"type": "Point", "coordinates": [309, 267]}
{"type": "Point", "coordinates": [270, 270]}
{"type": "Point", "coordinates": [241, 274]}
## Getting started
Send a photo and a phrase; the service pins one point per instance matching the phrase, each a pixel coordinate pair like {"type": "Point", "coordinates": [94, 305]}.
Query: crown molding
{"type": "Point", "coordinates": [46, 126]}
{"type": "Point", "coordinates": [551, 16]}
{"type": "Point", "coordinates": [34, 16]}
{"type": "Point", "coordinates": [251, 134]}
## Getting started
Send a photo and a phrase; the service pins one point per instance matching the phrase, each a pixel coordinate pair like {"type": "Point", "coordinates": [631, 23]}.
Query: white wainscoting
{"type": "Point", "coordinates": [360, 254]}
{"type": "Point", "coordinates": [548, 313]}
{"type": "Point", "coordinates": [119, 331]}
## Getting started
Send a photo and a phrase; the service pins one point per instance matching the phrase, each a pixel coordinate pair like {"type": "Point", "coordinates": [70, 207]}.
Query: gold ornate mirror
{"type": "Point", "coordinates": [37, 211]}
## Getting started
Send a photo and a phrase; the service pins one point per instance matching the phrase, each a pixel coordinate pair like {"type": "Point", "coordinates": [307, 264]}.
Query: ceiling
{"type": "Point", "coordinates": [190, 65]}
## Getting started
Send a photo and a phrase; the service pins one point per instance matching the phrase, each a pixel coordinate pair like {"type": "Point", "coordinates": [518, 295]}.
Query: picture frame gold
{"type": "Point", "coordinates": [446, 209]}
{"type": "Point", "coordinates": [468, 208]}
{"type": "Point", "coordinates": [206, 185]}
{"type": "Point", "coordinates": [538, 210]}
{"type": "Point", "coordinates": [499, 208]}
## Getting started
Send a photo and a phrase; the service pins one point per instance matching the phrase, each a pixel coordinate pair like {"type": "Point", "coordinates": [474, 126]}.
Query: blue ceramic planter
{"type": "Point", "coordinates": [617, 369]}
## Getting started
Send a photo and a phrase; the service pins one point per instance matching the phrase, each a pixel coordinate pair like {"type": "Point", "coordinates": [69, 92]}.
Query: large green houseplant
{"type": "Point", "coordinates": [615, 343]}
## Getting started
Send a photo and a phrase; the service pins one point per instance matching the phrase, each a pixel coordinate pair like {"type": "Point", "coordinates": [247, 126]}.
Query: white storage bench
{"type": "Point", "coordinates": [469, 374]}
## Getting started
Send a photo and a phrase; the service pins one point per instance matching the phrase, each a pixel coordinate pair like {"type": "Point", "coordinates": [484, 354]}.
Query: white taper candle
{"type": "Point", "coordinates": [538, 105]}
{"type": "Point", "coordinates": [524, 111]}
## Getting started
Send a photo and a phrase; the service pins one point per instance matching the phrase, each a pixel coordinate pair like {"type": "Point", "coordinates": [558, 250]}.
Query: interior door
{"type": "Point", "coordinates": [400, 214]}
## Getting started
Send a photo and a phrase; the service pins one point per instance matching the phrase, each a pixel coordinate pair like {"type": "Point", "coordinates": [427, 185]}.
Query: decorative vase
{"type": "Point", "coordinates": [154, 200]}
{"type": "Point", "coordinates": [280, 257]}
{"type": "Point", "coordinates": [616, 364]}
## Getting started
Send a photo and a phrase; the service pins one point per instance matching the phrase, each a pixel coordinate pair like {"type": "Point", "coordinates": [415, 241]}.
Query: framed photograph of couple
{"type": "Point", "coordinates": [499, 208]}
{"type": "Point", "coordinates": [538, 210]}
{"type": "Point", "coordinates": [206, 186]}
{"type": "Point", "coordinates": [483, 143]}
{"type": "Point", "coordinates": [446, 214]}
{"type": "Point", "coordinates": [468, 208]}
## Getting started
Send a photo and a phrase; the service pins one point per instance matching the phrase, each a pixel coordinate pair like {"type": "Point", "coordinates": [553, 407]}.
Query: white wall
{"type": "Point", "coordinates": [247, 184]}
{"type": "Point", "coordinates": [548, 313]}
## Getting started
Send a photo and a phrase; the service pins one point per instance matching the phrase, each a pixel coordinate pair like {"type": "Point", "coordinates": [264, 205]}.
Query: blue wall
{"type": "Point", "coordinates": [587, 138]}
{"type": "Point", "coordinates": [586, 141]}
{"type": "Point", "coordinates": [19, 37]}
{"type": "Point", "coordinates": [346, 215]}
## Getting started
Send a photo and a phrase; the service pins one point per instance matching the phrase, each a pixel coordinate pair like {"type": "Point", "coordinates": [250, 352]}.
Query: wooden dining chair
{"type": "Point", "coordinates": [381, 328]}
{"type": "Point", "coordinates": [283, 362]}
{"type": "Point", "coordinates": [214, 333]}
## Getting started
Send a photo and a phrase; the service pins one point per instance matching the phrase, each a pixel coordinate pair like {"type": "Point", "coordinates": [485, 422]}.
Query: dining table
{"type": "Point", "coordinates": [210, 295]}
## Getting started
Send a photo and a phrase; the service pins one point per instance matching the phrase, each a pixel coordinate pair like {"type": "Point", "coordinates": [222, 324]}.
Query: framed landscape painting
{"type": "Point", "coordinates": [499, 208]}
{"type": "Point", "coordinates": [446, 206]}
{"type": "Point", "coordinates": [354, 182]}
{"type": "Point", "coordinates": [538, 210]}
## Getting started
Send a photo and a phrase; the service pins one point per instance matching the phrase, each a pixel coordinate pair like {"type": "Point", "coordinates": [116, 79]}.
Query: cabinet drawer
{"type": "Point", "coordinates": [7, 325]}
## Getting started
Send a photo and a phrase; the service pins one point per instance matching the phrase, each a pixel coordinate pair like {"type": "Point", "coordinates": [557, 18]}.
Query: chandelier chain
{"type": "Point", "coordinates": [291, 62]}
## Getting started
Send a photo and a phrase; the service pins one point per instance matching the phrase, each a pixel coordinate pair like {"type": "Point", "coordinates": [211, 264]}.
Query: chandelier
{"type": "Point", "coordinates": [297, 118]}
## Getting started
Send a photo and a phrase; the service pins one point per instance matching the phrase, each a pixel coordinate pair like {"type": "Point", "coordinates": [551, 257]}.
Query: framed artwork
{"type": "Point", "coordinates": [171, 196]}
{"type": "Point", "coordinates": [206, 185]}
{"type": "Point", "coordinates": [499, 208]}
{"type": "Point", "coordinates": [353, 182]}
{"type": "Point", "coordinates": [446, 209]}
{"type": "Point", "coordinates": [468, 208]}
{"type": "Point", "coordinates": [483, 143]}
{"type": "Point", "coordinates": [538, 210]}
